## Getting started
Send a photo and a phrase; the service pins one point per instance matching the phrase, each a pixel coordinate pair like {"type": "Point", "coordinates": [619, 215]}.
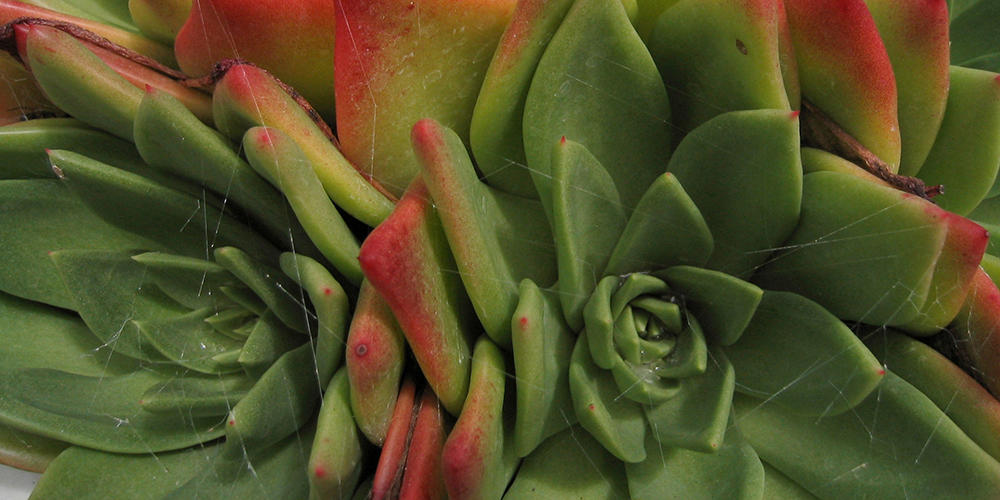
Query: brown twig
{"type": "Point", "coordinates": [820, 131]}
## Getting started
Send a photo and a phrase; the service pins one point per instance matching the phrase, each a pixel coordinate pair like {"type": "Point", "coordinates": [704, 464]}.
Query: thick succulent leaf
{"type": "Point", "coordinates": [57, 221]}
{"type": "Point", "coordinates": [876, 258]}
{"type": "Point", "coordinates": [193, 283]}
{"type": "Point", "coordinates": [396, 64]}
{"type": "Point", "coordinates": [180, 222]}
{"type": "Point", "coordinates": [422, 477]}
{"type": "Point", "coordinates": [778, 485]}
{"type": "Point", "coordinates": [101, 412]}
{"type": "Point", "coordinates": [375, 359]}
{"type": "Point", "coordinates": [974, 34]}
{"type": "Point", "coordinates": [158, 19]}
{"type": "Point", "coordinates": [472, 460]}
{"type": "Point", "coordinates": [718, 56]}
{"type": "Point", "coordinates": [617, 423]}
{"type": "Point", "coordinates": [958, 395]}
{"type": "Point", "coordinates": [277, 472]}
{"type": "Point", "coordinates": [587, 217]}
{"type": "Point", "coordinates": [11, 9]}
{"type": "Point", "coordinates": [172, 140]}
{"type": "Point", "coordinates": [845, 71]}
{"type": "Point", "coordinates": [664, 212]}
{"type": "Point", "coordinates": [743, 171]}
{"type": "Point", "coordinates": [733, 471]}
{"type": "Point", "coordinates": [96, 10]}
{"type": "Point", "coordinates": [797, 355]}
{"type": "Point", "coordinates": [188, 340]}
{"type": "Point", "coordinates": [497, 239]}
{"type": "Point", "coordinates": [570, 464]}
{"type": "Point", "coordinates": [596, 84]}
{"type": "Point", "coordinates": [495, 131]}
{"type": "Point", "coordinates": [542, 345]}
{"type": "Point", "coordinates": [724, 305]}
{"type": "Point", "coordinates": [915, 34]}
{"type": "Point", "coordinates": [275, 155]}
{"type": "Point", "coordinates": [407, 260]}
{"type": "Point", "coordinates": [26, 451]}
{"type": "Point", "coordinates": [331, 308]}
{"type": "Point", "coordinates": [200, 397]}
{"type": "Point", "coordinates": [893, 444]}
{"type": "Point", "coordinates": [248, 96]}
{"type": "Point", "coordinates": [696, 418]}
{"type": "Point", "coordinates": [84, 473]}
{"type": "Point", "coordinates": [268, 340]}
{"type": "Point", "coordinates": [336, 457]}
{"type": "Point", "coordinates": [77, 81]}
{"type": "Point", "coordinates": [282, 295]}
{"type": "Point", "coordinates": [277, 406]}
{"type": "Point", "coordinates": [393, 455]}
{"type": "Point", "coordinates": [23, 148]}
{"type": "Point", "coordinates": [94, 398]}
{"type": "Point", "coordinates": [965, 158]}
{"type": "Point", "coordinates": [108, 292]}
{"type": "Point", "coordinates": [977, 330]}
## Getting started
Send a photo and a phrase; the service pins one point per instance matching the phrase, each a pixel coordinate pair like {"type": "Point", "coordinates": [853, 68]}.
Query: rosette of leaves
{"type": "Point", "coordinates": [170, 327]}
{"type": "Point", "coordinates": [629, 211]}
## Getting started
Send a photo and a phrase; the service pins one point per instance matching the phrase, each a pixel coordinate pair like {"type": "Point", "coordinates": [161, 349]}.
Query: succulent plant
{"type": "Point", "coordinates": [522, 249]}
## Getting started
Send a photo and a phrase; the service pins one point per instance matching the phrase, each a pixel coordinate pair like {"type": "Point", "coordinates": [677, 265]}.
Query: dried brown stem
{"type": "Point", "coordinates": [820, 131]}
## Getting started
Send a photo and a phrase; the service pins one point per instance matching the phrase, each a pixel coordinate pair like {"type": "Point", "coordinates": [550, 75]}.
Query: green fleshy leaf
{"type": "Point", "coordinates": [964, 399]}
{"type": "Point", "coordinates": [330, 303]}
{"type": "Point", "coordinates": [336, 459]}
{"type": "Point", "coordinates": [743, 171]}
{"type": "Point", "coordinates": [778, 485]}
{"type": "Point", "coordinates": [497, 239]}
{"type": "Point", "coordinates": [617, 423]}
{"type": "Point", "coordinates": [733, 471]}
{"type": "Point", "coordinates": [596, 84]}
{"type": "Point", "coordinates": [696, 419]}
{"type": "Point", "coordinates": [181, 223]}
{"type": "Point", "coordinates": [268, 340]}
{"type": "Point", "coordinates": [276, 157]}
{"type": "Point", "coordinates": [275, 473]}
{"type": "Point", "coordinates": [570, 464]}
{"type": "Point", "coordinates": [799, 356]}
{"type": "Point", "coordinates": [172, 139]}
{"type": "Point", "coordinates": [895, 443]}
{"type": "Point", "coordinates": [542, 345]}
{"type": "Point", "coordinates": [974, 34]}
{"type": "Point", "coordinates": [83, 473]}
{"type": "Point", "coordinates": [724, 305]}
{"type": "Point", "coordinates": [719, 56]}
{"type": "Point", "coordinates": [587, 215]}
{"type": "Point", "coordinates": [689, 357]}
{"type": "Point", "coordinates": [58, 221]}
{"type": "Point", "coordinates": [189, 341]}
{"type": "Point", "coordinates": [965, 159]}
{"type": "Point", "coordinates": [281, 295]}
{"type": "Point", "coordinates": [281, 401]}
{"type": "Point", "coordinates": [495, 132]}
{"type": "Point", "coordinates": [27, 451]}
{"type": "Point", "coordinates": [200, 397]}
{"type": "Point", "coordinates": [109, 293]}
{"type": "Point", "coordinates": [190, 281]}
{"type": "Point", "coordinates": [600, 321]}
{"type": "Point", "coordinates": [665, 213]}
{"type": "Point", "coordinates": [863, 251]}
{"type": "Point", "coordinates": [101, 412]}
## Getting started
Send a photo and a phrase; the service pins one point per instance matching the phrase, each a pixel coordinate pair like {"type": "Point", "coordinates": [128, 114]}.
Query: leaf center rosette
{"type": "Point", "coordinates": [638, 328]}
